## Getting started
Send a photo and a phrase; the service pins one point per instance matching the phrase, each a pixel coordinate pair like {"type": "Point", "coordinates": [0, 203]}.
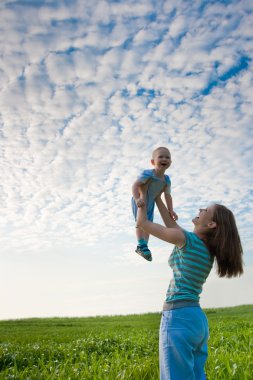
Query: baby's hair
{"type": "Point", "coordinates": [157, 149]}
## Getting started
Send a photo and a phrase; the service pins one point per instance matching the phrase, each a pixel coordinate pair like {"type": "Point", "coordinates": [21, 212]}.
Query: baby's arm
{"type": "Point", "coordinates": [169, 203]}
{"type": "Point", "coordinates": [138, 193]}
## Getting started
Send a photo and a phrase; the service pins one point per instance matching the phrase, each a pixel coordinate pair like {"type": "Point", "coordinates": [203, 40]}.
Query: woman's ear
{"type": "Point", "coordinates": [211, 224]}
{"type": "Point", "coordinates": [152, 162]}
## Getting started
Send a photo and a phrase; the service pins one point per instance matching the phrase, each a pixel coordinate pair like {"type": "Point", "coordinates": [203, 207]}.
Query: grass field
{"type": "Point", "coordinates": [119, 347]}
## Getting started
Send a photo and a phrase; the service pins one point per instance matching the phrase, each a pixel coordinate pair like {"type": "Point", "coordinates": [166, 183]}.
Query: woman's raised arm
{"type": "Point", "coordinates": [167, 219]}
{"type": "Point", "coordinates": [171, 235]}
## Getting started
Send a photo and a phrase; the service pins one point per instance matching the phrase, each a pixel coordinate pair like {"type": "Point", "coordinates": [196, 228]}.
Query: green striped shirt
{"type": "Point", "coordinates": [191, 265]}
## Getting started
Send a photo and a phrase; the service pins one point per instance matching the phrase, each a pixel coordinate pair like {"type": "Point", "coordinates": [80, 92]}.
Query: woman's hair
{"type": "Point", "coordinates": [224, 243]}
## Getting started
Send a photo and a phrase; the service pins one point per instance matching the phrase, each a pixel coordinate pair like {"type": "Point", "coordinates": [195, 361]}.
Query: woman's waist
{"type": "Point", "coordinates": [177, 304]}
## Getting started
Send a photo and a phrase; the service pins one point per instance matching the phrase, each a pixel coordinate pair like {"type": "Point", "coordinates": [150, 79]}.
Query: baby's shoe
{"type": "Point", "coordinates": [143, 251]}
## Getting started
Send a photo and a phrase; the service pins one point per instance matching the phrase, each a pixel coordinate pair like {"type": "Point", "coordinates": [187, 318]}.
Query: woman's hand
{"type": "Point", "coordinates": [174, 215]}
{"type": "Point", "coordinates": [140, 202]}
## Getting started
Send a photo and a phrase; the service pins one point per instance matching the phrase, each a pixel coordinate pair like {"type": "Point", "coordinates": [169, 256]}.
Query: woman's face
{"type": "Point", "coordinates": [205, 216]}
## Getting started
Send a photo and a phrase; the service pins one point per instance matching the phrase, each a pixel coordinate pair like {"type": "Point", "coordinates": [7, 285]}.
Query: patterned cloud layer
{"type": "Point", "coordinates": [89, 88]}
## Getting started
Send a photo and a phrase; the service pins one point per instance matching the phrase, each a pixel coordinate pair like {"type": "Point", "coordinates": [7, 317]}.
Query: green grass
{"type": "Point", "coordinates": [119, 347]}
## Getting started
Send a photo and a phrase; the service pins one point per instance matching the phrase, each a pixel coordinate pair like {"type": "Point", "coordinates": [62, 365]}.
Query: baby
{"type": "Point", "coordinates": [157, 182]}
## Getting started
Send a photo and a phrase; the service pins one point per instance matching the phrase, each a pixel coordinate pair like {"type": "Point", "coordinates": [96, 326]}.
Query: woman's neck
{"type": "Point", "coordinates": [200, 234]}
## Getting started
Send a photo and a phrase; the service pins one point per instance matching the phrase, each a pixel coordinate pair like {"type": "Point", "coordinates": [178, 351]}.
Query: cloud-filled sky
{"type": "Point", "coordinates": [87, 90]}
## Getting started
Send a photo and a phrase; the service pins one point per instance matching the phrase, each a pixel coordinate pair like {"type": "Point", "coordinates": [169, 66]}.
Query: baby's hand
{"type": "Point", "coordinates": [140, 202]}
{"type": "Point", "coordinates": [173, 215]}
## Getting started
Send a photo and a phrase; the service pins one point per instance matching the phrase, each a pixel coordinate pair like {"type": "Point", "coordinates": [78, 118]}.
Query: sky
{"type": "Point", "coordinates": [87, 90]}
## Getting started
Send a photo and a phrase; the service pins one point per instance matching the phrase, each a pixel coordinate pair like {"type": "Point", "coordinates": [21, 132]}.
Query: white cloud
{"type": "Point", "coordinates": [178, 26]}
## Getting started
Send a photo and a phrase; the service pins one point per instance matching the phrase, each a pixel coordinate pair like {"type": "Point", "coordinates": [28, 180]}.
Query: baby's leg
{"type": "Point", "coordinates": [142, 238]}
{"type": "Point", "coordinates": [142, 247]}
{"type": "Point", "coordinates": [141, 235]}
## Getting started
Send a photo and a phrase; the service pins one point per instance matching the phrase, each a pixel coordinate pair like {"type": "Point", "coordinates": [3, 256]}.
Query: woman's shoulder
{"type": "Point", "coordinates": [191, 238]}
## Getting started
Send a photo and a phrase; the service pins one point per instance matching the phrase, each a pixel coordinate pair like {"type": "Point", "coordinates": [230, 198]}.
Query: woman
{"type": "Point", "coordinates": [184, 327]}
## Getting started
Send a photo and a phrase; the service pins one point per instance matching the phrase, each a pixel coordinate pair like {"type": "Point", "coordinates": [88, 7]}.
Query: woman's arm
{"type": "Point", "coordinates": [169, 202]}
{"type": "Point", "coordinates": [171, 235]}
{"type": "Point", "coordinates": [167, 219]}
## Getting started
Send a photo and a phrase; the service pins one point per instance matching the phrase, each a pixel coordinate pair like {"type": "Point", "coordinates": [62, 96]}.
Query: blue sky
{"type": "Point", "coordinates": [87, 91]}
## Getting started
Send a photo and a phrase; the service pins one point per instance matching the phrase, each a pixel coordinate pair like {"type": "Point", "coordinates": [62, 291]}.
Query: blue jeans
{"type": "Point", "coordinates": [183, 344]}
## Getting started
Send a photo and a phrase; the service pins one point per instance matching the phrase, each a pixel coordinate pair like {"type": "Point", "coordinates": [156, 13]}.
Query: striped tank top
{"type": "Point", "coordinates": [191, 265]}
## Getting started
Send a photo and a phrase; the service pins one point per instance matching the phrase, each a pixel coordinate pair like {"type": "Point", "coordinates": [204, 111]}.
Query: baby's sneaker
{"type": "Point", "coordinates": [143, 251]}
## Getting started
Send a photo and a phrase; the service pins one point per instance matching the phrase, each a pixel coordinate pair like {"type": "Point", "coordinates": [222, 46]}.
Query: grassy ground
{"type": "Point", "coordinates": [120, 347]}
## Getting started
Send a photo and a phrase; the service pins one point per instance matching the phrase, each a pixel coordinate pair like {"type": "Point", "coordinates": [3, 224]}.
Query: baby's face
{"type": "Point", "coordinates": [161, 159]}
